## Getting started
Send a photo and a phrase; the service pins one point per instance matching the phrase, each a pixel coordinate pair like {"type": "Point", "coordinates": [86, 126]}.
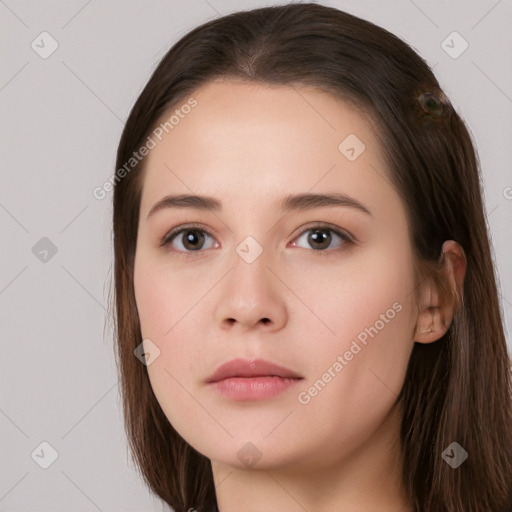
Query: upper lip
{"type": "Point", "coordinates": [251, 368]}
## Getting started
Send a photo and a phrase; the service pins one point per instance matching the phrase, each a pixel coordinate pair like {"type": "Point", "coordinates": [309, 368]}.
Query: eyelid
{"type": "Point", "coordinates": [183, 227]}
{"type": "Point", "coordinates": [326, 225]}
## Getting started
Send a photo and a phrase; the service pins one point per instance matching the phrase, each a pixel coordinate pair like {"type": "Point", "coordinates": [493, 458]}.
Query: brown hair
{"type": "Point", "coordinates": [456, 389]}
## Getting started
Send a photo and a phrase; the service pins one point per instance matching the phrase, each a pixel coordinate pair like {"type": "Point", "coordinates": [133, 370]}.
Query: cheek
{"type": "Point", "coordinates": [161, 297]}
{"type": "Point", "coordinates": [364, 314]}
{"type": "Point", "coordinates": [168, 303]}
{"type": "Point", "coordinates": [356, 371]}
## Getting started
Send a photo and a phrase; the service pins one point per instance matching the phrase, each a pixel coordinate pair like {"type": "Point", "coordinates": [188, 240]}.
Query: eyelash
{"type": "Point", "coordinates": [169, 237]}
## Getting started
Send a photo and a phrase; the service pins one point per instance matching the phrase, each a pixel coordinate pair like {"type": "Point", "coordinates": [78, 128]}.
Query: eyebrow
{"type": "Point", "coordinates": [306, 201]}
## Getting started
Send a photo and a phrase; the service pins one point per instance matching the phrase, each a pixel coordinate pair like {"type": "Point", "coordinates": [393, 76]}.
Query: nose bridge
{"type": "Point", "coordinates": [250, 275]}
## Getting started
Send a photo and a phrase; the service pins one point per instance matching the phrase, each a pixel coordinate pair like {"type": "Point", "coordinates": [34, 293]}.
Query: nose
{"type": "Point", "coordinates": [252, 295]}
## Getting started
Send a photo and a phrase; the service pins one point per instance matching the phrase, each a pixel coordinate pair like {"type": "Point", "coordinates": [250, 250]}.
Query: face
{"type": "Point", "coordinates": [321, 288]}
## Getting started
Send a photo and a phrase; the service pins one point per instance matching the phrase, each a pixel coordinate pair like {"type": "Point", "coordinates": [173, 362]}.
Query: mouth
{"type": "Point", "coordinates": [239, 368]}
{"type": "Point", "coordinates": [245, 380]}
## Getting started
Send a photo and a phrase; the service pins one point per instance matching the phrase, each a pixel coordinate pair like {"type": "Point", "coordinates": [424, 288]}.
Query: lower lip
{"type": "Point", "coordinates": [253, 388]}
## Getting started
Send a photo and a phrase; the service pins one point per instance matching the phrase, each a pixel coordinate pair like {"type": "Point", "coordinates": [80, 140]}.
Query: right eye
{"type": "Point", "coordinates": [186, 239]}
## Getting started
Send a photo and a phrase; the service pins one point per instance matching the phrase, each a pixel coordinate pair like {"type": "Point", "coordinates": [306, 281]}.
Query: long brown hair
{"type": "Point", "coordinates": [457, 389]}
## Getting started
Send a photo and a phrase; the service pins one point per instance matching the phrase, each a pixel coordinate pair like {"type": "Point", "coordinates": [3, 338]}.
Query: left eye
{"type": "Point", "coordinates": [319, 238]}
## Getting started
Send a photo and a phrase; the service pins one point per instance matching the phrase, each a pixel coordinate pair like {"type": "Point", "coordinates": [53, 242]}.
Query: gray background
{"type": "Point", "coordinates": [61, 119]}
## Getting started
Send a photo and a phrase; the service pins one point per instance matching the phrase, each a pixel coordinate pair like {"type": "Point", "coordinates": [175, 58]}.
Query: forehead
{"type": "Point", "coordinates": [253, 140]}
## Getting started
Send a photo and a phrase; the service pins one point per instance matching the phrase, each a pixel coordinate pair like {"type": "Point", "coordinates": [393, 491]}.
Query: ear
{"type": "Point", "coordinates": [435, 316]}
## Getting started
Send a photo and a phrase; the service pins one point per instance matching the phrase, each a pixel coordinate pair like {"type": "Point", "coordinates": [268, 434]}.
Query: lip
{"type": "Point", "coordinates": [251, 368]}
{"type": "Point", "coordinates": [244, 380]}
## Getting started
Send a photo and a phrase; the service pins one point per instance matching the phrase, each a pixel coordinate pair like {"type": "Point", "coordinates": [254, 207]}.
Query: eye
{"type": "Point", "coordinates": [188, 238]}
{"type": "Point", "coordinates": [320, 237]}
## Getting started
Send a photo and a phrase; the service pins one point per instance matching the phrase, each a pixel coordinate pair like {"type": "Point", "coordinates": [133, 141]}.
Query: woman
{"type": "Point", "coordinates": [327, 335]}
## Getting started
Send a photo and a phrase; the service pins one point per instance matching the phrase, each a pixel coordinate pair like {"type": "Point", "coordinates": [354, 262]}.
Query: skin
{"type": "Point", "coordinates": [248, 146]}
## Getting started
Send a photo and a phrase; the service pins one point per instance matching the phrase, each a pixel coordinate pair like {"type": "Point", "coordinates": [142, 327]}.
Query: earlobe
{"type": "Point", "coordinates": [431, 325]}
